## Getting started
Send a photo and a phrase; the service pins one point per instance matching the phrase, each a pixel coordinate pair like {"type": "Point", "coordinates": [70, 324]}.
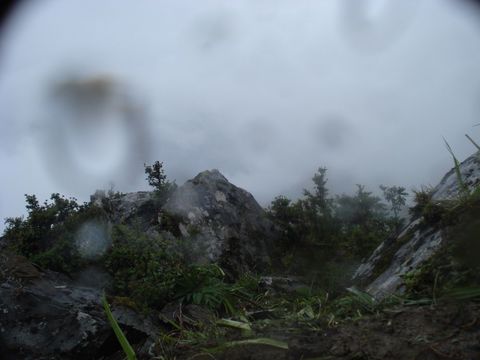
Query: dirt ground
{"type": "Point", "coordinates": [446, 331]}
{"type": "Point", "coordinates": [449, 331]}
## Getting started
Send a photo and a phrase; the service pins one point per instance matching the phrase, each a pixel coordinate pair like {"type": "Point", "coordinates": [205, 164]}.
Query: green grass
{"type": "Point", "coordinates": [461, 183]}
{"type": "Point", "coordinates": [243, 326]}
{"type": "Point", "coordinates": [473, 142]}
{"type": "Point", "coordinates": [122, 339]}
{"type": "Point", "coordinates": [259, 341]}
{"type": "Point", "coordinates": [465, 293]}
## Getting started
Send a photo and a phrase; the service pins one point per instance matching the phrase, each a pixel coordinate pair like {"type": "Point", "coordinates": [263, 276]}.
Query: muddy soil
{"type": "Point", "coordinates": [446, 331]}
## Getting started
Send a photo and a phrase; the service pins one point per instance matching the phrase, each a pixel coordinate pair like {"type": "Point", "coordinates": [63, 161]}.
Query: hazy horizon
{"type": "Point", "coordinates": [264, 91]}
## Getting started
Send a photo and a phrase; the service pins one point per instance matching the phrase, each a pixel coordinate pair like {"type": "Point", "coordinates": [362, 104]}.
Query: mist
{"type": "Point", "coordinates": [264, 91]}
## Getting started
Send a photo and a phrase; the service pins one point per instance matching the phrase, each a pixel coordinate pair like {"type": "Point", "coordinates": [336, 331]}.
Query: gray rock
{"type": "Point", "coordinates": [223, 223]}
{"type": "Point", "coordinates": [208, 219]}
{"type": "Point", "coordinates": [98, 197]}
{"type": "Point", "coordinates": [448, 188]}
{"type": "Point", "coordinates": [283, 284]}
{"type": "Point", "coordinates": [401, 254]}
{"type": "Point", "coordinates": [381, 274]}
{"type": "Point", "coordinates": [44, 315]}
{"type": "Point", "coordinates": [125, 206]}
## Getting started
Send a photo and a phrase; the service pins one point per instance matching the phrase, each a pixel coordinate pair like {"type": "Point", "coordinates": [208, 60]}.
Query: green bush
{"type": "Point", "coordinates": [141, 267]}
{"type": "Point", "coordinates": [421, 199]}
{"type": "Point", "coordinates": [149, 272]}
{"type": "Point", "coordinates": [205, 285]}
{"type": "Point", "coordinates": [47, 235]}
{"type": "Point", "coordinates": [319, 229]}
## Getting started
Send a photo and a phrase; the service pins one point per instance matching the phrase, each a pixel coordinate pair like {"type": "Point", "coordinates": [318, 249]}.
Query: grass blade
{"type": "Point", "coordinates": [461, 183]}
{"type": "Point", "coordinates": [122, 339]}
{"type": "Point", "coordinates": [234, 324]}
{"type": "Point", "coordinates": [464, 293]}
{"type": "Point", "coordinates": [473, 142]}
{"type": "Point", "coordinates": [244, 327]}
{"type": "Point", "coordinates": [260, 341]}
{"type": "Point", "coordinates": [362, 297]}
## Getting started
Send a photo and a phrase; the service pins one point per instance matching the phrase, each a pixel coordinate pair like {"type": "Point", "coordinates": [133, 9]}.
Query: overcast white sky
{"type": "Point", "coordinates": [264, 90]}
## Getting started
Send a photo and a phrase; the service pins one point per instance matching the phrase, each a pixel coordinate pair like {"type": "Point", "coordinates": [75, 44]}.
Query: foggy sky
{"type": "Point", "coordinates": [265, 91]}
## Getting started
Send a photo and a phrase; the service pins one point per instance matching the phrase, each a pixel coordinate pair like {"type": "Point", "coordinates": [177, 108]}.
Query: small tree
{"type": "Point", "coordinates": [156, 175]}
{"type": "Point", "coordinates": [319, 200]}
{"type": "Point", "coordinates": [396, 196]}
{"type": "Point", "coordinates": [157, 179]}
{"type": "Point", "coordinates": [363, 221]}
{"type": "Point", "coordinates": [362, 208]}
{"type": "Point", "coordinates": [288, 216]}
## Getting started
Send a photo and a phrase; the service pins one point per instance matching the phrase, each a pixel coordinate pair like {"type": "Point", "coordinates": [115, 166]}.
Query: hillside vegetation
{"type": "Point", "coordinates": [187, 272]}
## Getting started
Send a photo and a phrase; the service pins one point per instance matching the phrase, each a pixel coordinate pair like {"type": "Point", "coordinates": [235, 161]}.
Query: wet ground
{"type": "Point", "coordinates": [444, 331]}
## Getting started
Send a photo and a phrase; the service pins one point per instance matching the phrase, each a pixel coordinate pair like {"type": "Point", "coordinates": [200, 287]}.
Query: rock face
{"type": "Point", "coordinates": [122, 207]}
{"type": "Point", "coordinates": [449, 188]}
{"type": "Point", "coordinates": [208, 219]}
{"type": "Point", "coordinates": [222, 223]}
{"type": "Point", "coordinates": [45, 315]}
{"type": "Point", "coordinates": [382, 273]}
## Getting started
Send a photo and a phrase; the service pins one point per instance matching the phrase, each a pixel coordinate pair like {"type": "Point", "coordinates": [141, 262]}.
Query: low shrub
{"type": "Point", "coordinates": [141, 267]}
{"type": "Point", "coordinates": [205, 285]}
{"type": "Point", "coordinates": [47, 235]}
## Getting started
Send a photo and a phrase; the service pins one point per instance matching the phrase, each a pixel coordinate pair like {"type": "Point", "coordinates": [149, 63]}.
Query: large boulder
{"type": "Point", "coordinates": [221, 223]}
{"type": "Point", "coordinates": [208, 219]}
{"type": "Point", "coordinates": [47, 315]}
{"type": "Point", "coordinates": [382, 273]}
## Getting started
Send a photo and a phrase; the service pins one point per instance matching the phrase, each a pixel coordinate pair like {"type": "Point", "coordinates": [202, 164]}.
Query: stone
{"type": "Point", "coordinates": [98, 197]}
{"type": "Point", "coordinates": [449, 188]}
{"type": "Point", "coordinates": [50, 317]}
{"type": "Point", "coordinates": [283, 284]}
{"type": "Point", "coordinates": [208, 219]}
{"type": "Point", "coordinates": [381, 274]}
{"type": "Point", "coordinates": [124, 207]}
{"type": "Point", "coordinates": [225, 223]}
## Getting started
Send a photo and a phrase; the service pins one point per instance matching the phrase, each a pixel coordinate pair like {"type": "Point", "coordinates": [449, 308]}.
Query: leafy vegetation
{"type": "Point", "coordinates": [146, 270]}
{"type": "Point", "coordinates": [47, 235]}
{"type": "Point", "coordinates": [141, 267]}
{"type": "Point", "coordinates": [330, 232]}
{"type": "Point", "coordinates": [321, 235]}
{"type": "Point", "coordinates": [322, 238]}
{"type": "Point", "coordinates": [421, 199]}
{"type": "Point", "coordinates": [157, 178]}
{"type": "Point", "coordinates": [205, 285]}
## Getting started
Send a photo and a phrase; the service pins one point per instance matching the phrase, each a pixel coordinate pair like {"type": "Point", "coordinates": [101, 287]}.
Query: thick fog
{"type": "Point", "coordinates": [265, 91]}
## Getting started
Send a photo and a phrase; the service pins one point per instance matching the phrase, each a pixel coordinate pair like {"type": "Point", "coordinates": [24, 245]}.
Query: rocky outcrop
{"type": "Point", "coordinates": [449, 188]}
{"type": "Point", "coordinates": [381, 274]}
{"type": "Point", "coordinates": [123, 207]}
{"type": "Point", "coordinates": [46, 315]}
{"type": "Point", "coordinates": [208, 219]}
{"type": "Point", "coordinates": [221, 223]}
